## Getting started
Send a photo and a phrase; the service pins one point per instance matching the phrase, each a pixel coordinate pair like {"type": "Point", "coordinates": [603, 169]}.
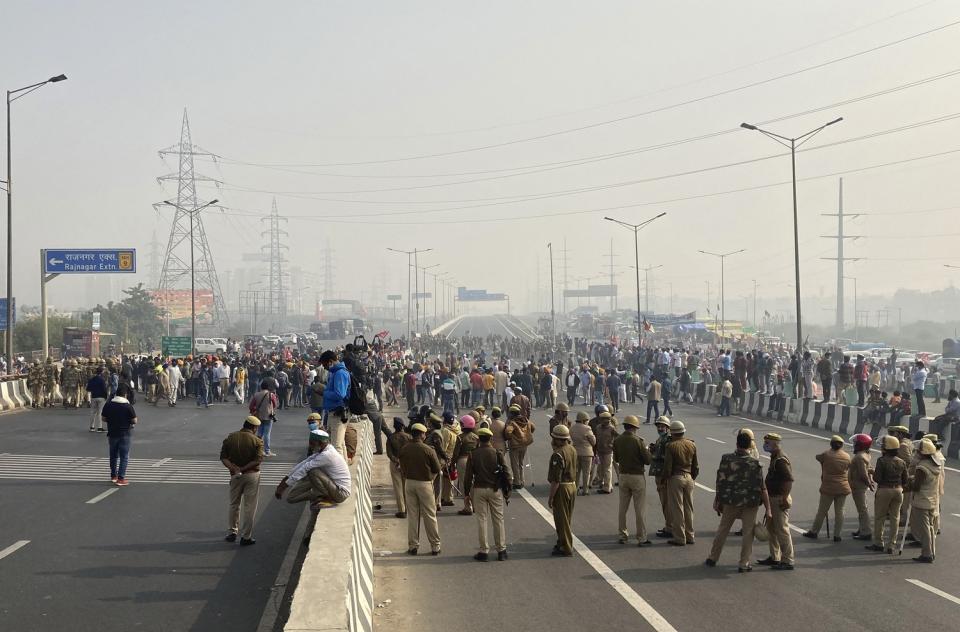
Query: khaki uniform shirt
{"type": "Point", "coordinates": [563, 465]}
{"type": "Point", "coordinates": [419, 462]}
{"type": "Point", "coordinates": [680, 456]}
{"type": "Point", "coordinates": [859, 473]}
{"type": "Point", "coordinates": [630, 453]}
{"type": "Point", "coordinates": [241, 447]}
{"type": "Point", "coordinates": [481, 470]}
{"type": "Point", "coordinates": [834, 465]}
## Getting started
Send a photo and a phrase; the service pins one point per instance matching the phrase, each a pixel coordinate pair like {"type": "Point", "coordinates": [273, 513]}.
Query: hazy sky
{"type": "Point", "coordinates": [301, 88]}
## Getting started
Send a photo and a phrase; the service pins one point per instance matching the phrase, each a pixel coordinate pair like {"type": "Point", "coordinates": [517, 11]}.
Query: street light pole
{"type": "Point", "coordinates": [193, 283]}
{"type": "Point", "coordinates": [20, 92]}
{"type": "Point", "coordinates": [723, 318]}
{"type": "Point", "coordinates": [553, 315]}
{"type": "Point", "coordinates": [636, 254]}
{"type": "Point", "coordinates": [856, 314]}
{"type": "Point", "coordinates": [793, 144]}
{"type": "Point", "coordinates": [411, 263]}
{"type": "Point", "coordinates": [646, 286]}
{"type": "Point", "coordinates": [755, 284]}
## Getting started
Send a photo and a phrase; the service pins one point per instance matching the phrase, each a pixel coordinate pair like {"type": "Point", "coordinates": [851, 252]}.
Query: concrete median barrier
{"type": "Point", "coordinates": [335, 590]}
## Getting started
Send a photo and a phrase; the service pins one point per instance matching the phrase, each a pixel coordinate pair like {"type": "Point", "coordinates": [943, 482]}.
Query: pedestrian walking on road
{"type": "Point", "coordinates": [779, 484]}
{"type": "Point", "coordinates": [680, 470]}
{"type": "Point", "coordinates": [420, 466]}
{"type": "Point", "coordinates": [860, 481]}
{"type": "Point", "coordinates": [242, 454]}
{"type": "Point", "coordinates": [97, 387]}
{"type": "Point", "coordinates": [481, 483]}
{"type": "Point", "coordinates": [653, 399]}
{"type": "Point", "coordinates": [834, 487]}
{"type": "Point", "coordinates": [395, 443]}
{"type": "Point", "coordinates": [740, 491]}
{"type": "Point", "coordinates": [562, 476]}
{"type": "Point", "coordinates": [322, 477]}
{"type": "Point", "coordinates": [120, 418]}
{"type": "Point", "coordinates": [891, 479]}
{"type": "Point", "coordinates": [263, 406]}
{"type": "Point", "coordinates": [631, 455]}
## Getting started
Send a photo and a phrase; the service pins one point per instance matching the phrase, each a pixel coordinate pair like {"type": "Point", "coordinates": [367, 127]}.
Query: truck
{"type": "Point", "coordinates": [80, 343]}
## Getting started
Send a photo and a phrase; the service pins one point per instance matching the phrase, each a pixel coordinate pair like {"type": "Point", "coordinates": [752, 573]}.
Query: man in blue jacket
{"type": "Point", "coordinates": [335, 399]}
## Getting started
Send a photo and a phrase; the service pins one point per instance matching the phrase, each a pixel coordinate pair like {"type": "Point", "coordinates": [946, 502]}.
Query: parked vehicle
{"type": "Point", "coordinates": [207, 345]}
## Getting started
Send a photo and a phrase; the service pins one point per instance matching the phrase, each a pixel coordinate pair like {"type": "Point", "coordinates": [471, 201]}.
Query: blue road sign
{"type": "Point", "coordinates": [3, 313]}
{"type": "Point", "coordinates": [90, 261]}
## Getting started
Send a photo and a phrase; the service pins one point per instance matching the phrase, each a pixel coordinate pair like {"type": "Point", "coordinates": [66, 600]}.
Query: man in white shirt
{"type": "Point", "coordinates": [321, 477]}
{"type": "Point", "coordinates": [173, 376]}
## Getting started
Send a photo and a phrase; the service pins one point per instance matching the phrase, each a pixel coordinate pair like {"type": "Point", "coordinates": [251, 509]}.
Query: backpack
{"type": "Point", "coordinates": [356, 397]}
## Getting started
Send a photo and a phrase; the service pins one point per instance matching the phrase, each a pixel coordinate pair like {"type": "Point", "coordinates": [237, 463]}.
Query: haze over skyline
{"type": "Point", "coordinates": [293, 97]}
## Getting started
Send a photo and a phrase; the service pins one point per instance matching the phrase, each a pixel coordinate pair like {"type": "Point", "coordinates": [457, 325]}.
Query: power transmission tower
{"type": "Point", "coordinates": [277, 284]}
{"type": "Point", "coordinates": [565, 266]}
{"type": "Point", "coordinates": [840, 237]}
{"type": "Point", "coordinates": [187, 233]}
{"type": "Point", "coordinates": [613, 281]}
{"type": "Point", "coordinates": [328, 270]}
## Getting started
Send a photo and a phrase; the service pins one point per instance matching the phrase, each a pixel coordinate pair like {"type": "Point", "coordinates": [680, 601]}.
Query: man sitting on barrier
{"type": "Point", "coordinates": [876, 404]}
{"type": "Point", "coordinates": [951, 414]}
{"type": "Point", "coordinates": [322, 477]}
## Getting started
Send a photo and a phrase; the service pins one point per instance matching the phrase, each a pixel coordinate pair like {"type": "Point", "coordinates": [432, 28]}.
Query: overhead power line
{"type": "Point", "coordinates": [620, 119]}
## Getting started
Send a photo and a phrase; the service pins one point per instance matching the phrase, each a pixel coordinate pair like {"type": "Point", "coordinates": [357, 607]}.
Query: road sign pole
{"type": "Point", "coordinates": [43, 302]}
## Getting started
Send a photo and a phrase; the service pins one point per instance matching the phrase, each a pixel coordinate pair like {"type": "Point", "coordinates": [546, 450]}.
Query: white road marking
{"type": "Point", "coordinates": [100, 497]}
{"type": "Point", "coordinates": [935, 591]}
{"type": "Point", "coordinates": [19, 545]}
{"type": "Point", "coordinates": [955, 515]}
{"type": "Point", "coordinates": [715, 440]}
{"type": "Point", "coordinates": [638, 603]}
{"type": "Point", "coordinates": [797, 529]}
{"type": "Point", "coordinates": [162, 461]}
{"type": "Point", "coordinates": [704, 487]}
{"type": "Point", "coordinates": [807, 434]}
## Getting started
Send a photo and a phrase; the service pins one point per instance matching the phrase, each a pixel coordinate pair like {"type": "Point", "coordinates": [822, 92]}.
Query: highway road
{"type": "Point", "coordinates": [78, 553]}
{"type": "Point", "coordinates": [483, 326]}
{"type": "Point", "coordinates": [836, 586]}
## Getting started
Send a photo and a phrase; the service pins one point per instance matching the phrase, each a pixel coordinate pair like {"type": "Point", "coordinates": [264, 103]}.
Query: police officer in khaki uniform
{"type": "Point", "coordinates": [482, 485]}
{"type": "Point", "coordinates": [395, 443]}
{"type": "Point", "coordinates": [420, 466]}
{"type": "Point", "coordinates": [902, 433]}
{"type": "Point", "coordinates": [584, 441]}
{"type": "Point", "coordinates": [680, 470]}
{"type": "Point", "coordinates": [779, 484]}
{"type": "Point", "coordinates": [242, 454]}
{"type": "Point", "coordinates": [562, 476]}
{"type": "Point", "coordinates": [834, 487]}
{"type": "Point", "coordinates": [631, 455]}
{"type": "Point", "coordinates": [606, 434]}
{"type": "Point", "coordinates": [925, 485]}
{"type": "Point", "coordinates": [890, 476]}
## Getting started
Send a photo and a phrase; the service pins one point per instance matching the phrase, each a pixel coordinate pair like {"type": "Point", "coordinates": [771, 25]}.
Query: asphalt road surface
{"type": "Point", "coordinates": [836, 586]}
{"type": "Point", "coordinates": [78, 553]}
{"type": "Point", "coordinates": [483, 326]}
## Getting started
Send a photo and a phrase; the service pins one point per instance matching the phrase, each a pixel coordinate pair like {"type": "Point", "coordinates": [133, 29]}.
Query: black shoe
{"type": "Point", "coordinates": [412, 551]}
{"type": "Point", "coordinates": [502, 556]}
{"type": "Point", "coordinates": [782, 566]}
{"type": "Point", "coordinates": [837, 538]}
{"type": "Point", "coordinates": [435, 553]}
{"type": "Point", "coordinates": [911, 537]}
{"type": "Point", "coordinates": [810, 534]}
{"type": "Point", "coordinates": [874, 547]}
{"type": "Point", "coordinates": [446, 503]}
{"type": "Point", "coordinates": [855, 534]}
{"type": "Point", "coordinates": [247, 541]}
{"type": "Point", "coordinates": [481, 557]}
{"type": "Point", "coordinates": [865, 536]}
{"type": "Point", "coordinates": [924, 559]}
{"type": "Point", "coordinates": [738, 532]}
{"type": "Point", "coordinates": [672, 543]}
{"type": "Point", "coordinates": [561, 553]}
{"type": "Point", "coordinates": [769, 561]}
{"type": "Point", "coordinates": [709, 562]}
{"type": "Point", "coordinates": [379, 452]}
{"type": "Point", "coordinates": [915, 545]}
{"type": "Point", "coordinates": [663, 533]}
{"type": "Point", "coordinates": [744, 569]}
{"type": "Point", "coordinates": [401, 514]}
{"type": "Point", "coordinates": [231, 537]}
{"type": "Point", "coordinates": [518, 486]}
{"type": "Point", "coordinates": [645, 543]}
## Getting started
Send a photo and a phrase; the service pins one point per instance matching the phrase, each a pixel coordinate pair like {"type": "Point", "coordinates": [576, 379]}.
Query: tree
{"type": "Point", "coordinates": [134, 318]}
